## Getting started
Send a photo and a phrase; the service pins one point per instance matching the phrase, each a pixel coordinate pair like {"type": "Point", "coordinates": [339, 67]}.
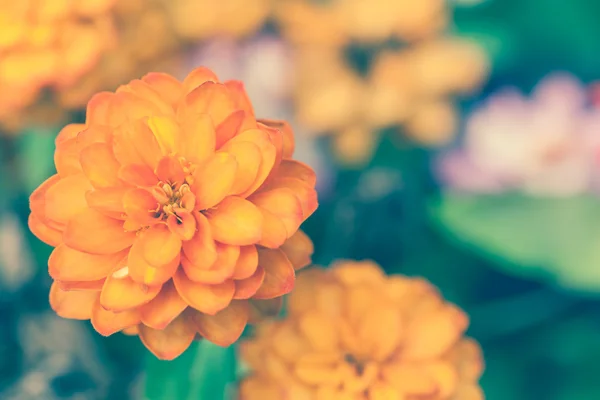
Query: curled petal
{"type": "Point", "coordinates": [66, 198]}
{"type": "Point", "coordinates": [46, 234]}
{"type": "Point", "coordinates": [221, 270]}
{"type": "Point", "coordinates": [108, 322]}
{"type": "Point", "coordinates": [229, 128]}
{"type": "Point", "coordinates": [298, 249]}
{"type": "Point", "coordinates": [66, 264]}
{"type": "Point", "coordinates": [235, 221]}
{"type": "Point", "coordinates": [200, 250]}
{"type": "Point", "coordinates": [214, 179]}
{"type": "Point", "coordinates": [209, 299]}
{"type": "Point", "coordinates": [248, 157]}
{"type": "Point", "coordinates": [279, 277]}
{"type": "Point", "coordinates": [141, 208]}
{"type": "Point", "coordinates": [182, 224]}
{"type": "Point", "coordinates": [298, 170]}
{"type": "Point", "coordinates": [164, 308]}
{"type": "Point", "coordinates": [286, 133]}
{"type": "Point", "coordinates": [246, 263]}
{"type": "Point", "coordinates": [121, 293]}
{"type": "Point", "coordinates": [72, 305]}
{"type": "Point", "coordinates": [170, 342]}
{"type": "Point", "coordinates": [197, 78]}
{"type": "Point", "coordinates": [225, 327]}
{"type": "Point", "coordinates": [37, 202]}
{"type": "Point", "coordinates": [100, 165]}
{"type": "Point", "coordinates": [70, 131]}
{"type": "Point", "coordinates": [92, 232]}
{"type": "Point", "coordinates": [283, 205]}
{"type": "Point", "coordinates": [246, 288]}
{"type": "Point", "coordinates": [267, 151]}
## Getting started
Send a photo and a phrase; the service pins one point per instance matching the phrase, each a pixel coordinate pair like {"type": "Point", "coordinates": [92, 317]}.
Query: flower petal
{"type": "Point", "coordinates": [235, 221]}
{"type": "Point", "coordinates": [225, 327]}
{"type": "Point", "coordinates": [167, 133]}
{"type": "Point", "coordinates": [127, 106]}
{"type": "Point", "coordinates": [229, 128]}
{"type": "Point", "coordinates": [37, 200]}
{"type": "Point", "coordinates": [138, 175]}
{"type": "Point", "coordinates": [238, 93]}
{"type": "Point", "coordinates": [142, 271]}
{"type": "Point", "coordinates": [197, 78]}
{"type": "Point", "coordinates": [246, 263]}
{"type": "Point", "coordinates": [66, 264]}
{"type": "Point", "coordinates": [201, 250]}
{"type": "Point", "coordinates": [169, 170]}
{"type": "Point", "coordinates": [159, 245]}
{"type": "Point", "coordinates": [286, 133]}
{"type": "Point", "coordinates": [221, 270]}
{"type": "Point", "coordinates": [90, 286]}
{"type": "Point", "coordinates": [135, 143]}
{"type": "Point", "coordinates": [209, 98]}
{"type": "Point", "coordinates": [100, 165]}
{"type": "Point", "coordinates": [121, 293]}
{"type": "Point", "coordinates": [91, 232]}
{"type": "Point", "coordinates": [146, 91]}
{"type": "Point", "coordinates": [98, 108]}
{"type": "Point", "coordinates": [261, 309]}
{"type": "Point", "coordinates": [280, 276]}
{"type": "Point", "coordinates": [209, 299]}
{"type": "Point", "coordinates": [168, 343]}
{"type": "Point", "coordinates": [164, 308]}
{"type": "Point", "coordinates": [298, 249]}
{"type": "Point", "coordinates": [248, 157]}
{"type": "Point", "coordinates": [43, 232]}
{"type": "Point", "coordinates": [66, 198]}
{"type": "Point", "coordinates": [72, 305]}
{"type": "Point", "coordinates": [213, 180]}
{"type": "Point", "coordinates": [246, 288]}
{"type": "Point", "coordinates": [182, 224]}
{"type": "Point", "coordinates": [198, 138]}
{"type": "Point", "coordinates": [305, 193]}
{"type": "Point", "coordinates": [169, 88]}
{"type": "Point", "coordinates": [298, 170]}
{"type": "Point", "coordinates": [108, 322]}
{"type": "Point", "coordinates": [108, 201]}
{"type": "Point", "coordinates": [141, 208]}
{"type": "Point", "coordinates": [267, 151]}
{"type": "Point", "coordinates": [283, 205]}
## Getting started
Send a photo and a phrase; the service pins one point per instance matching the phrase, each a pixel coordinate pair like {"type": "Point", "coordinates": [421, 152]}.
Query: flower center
{"type": "Point", "coordinates": [173, 199]}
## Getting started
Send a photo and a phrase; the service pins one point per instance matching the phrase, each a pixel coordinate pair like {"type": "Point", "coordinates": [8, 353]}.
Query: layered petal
{"type": "Point", "coordinates": [92, 232]}
{"type": "Point", "coordinates": [108, 322]}
{"type": "Point", "coordinates": [100, 165]}
{"type": "Point", "coordinates": [225, 327]}
{"type": "Point", "coordinates": [121, 293]}
{"type": "Point", "coordinates": [279, 274]}
{"type": "Point", "coordinates": [209, 299]}
{"type": "Point", "coordinates": [67, 264]}
{"type": "Point", "coordinates": [66, 198]}
{"type": "Point", "coordinates": [214, 180]}
{"type": "Point", "coordinates": [235, 221]}
{"type": "Point", "coordinates": [164, 308]}
{"type": "Point", "coordinates": [72, 304]}
{"type": "Point", "coordinates": [170, 342]}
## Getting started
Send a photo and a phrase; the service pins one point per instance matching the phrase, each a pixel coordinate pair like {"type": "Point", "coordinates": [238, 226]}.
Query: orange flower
{"type": "Point", "coordinates": [174, 212]}
{"type": "Point", "coordinates": [48, 43]}
{"type": "Point", "coordinates": [353, 333]}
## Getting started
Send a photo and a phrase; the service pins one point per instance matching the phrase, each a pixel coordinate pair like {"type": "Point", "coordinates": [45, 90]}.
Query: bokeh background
{"type": "Point", "coordinates": [454, 140]}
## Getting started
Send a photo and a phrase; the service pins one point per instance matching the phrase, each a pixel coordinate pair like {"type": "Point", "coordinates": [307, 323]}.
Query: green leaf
{"type": "Point", "coordinates": [36, 156]}
{"type": "Point", "coordinates": [555, 239]}
{"type": "Point", "coordinates": [203, 372]}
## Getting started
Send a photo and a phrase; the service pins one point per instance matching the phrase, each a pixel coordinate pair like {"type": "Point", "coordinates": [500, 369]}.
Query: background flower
{"type": "Point", "coordinates": [351, 331]}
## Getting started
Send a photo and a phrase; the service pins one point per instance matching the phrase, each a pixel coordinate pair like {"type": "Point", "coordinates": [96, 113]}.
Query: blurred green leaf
{"type": "Point", "coordinates": [36, 156]}
{"type": "Point", "coordinates": [554, 239]}
{"type": "Point", "coordinates": [205, 371]}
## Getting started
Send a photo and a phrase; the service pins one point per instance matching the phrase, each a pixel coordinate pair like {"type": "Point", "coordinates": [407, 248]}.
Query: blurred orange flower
{"type": "Point", "coordinates": [413, 86]}
{"type": "Point", "coordinates": [173, 206]}
{"type": "Point", "coordinates": [48, 44]}
{"type": "Point", "coordinates": [353, 333]}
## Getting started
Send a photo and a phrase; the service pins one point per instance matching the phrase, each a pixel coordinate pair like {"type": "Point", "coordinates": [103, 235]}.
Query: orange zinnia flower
{"type": "Point", "coordinates": [353, 333]}
{"type": "Point", "coordinates": [173, 211]}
